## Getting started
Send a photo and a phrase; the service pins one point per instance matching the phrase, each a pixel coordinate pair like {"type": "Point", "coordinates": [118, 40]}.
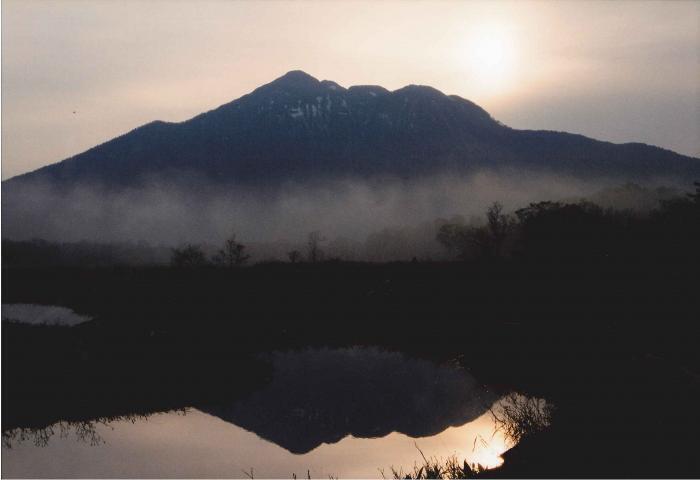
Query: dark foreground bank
{"type": "Point", "coordinates": [612, 344]}
{"type": "Point", "coordinates": [595, 310]}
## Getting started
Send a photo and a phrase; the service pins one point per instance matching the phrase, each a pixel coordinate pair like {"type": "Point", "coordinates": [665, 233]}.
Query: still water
{"type": "Point", "coordinates": [32, 314]}
{"type": "Point", "coordinates": [344, 413]}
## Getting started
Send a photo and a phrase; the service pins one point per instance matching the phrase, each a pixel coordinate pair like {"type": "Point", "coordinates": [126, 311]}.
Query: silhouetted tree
{"type": "Point", "coordinates": [232, 255]}
{"type": "Point", "coordinates": [456, 238]}
{"type": "Point", "coordinates": [313, 246]}
{"type": "Point", "coordinates": [695, 196]}
{"type": "Point", "coordinates": [188, 256]}
{"type": "Point", "coordinates": [576, 231]}
{"type": "Point", "coordinates": [499, 225]}
{"type": "Point", "coordinates": [485, 240]}
{"type": "Point", "coordinates": [294, 256]}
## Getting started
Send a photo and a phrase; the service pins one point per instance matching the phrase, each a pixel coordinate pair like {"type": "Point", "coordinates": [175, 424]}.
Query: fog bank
{"type": "Point", "coordinates": [351, 209]}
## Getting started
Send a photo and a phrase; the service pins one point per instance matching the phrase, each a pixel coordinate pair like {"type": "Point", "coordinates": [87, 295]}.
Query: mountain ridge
{"type": "Point", "coordinates": [298, 127]}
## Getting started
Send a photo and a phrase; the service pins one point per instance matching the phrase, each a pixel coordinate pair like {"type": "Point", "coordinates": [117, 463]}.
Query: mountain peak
{"type": "Point", "coordinates": [423, 90]}
{"type": "Point", "coordinates": [331, 85]}
{"type": "Point", "coordinates": [296, 77]}
{"type": "Point", "coordinates": [372, 90]}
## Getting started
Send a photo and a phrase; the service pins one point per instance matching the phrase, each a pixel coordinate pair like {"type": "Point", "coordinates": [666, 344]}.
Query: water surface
{"type": "Point", "coordinates": [343, 413]}
{"type": "Point", "coordinates": [41, 314]}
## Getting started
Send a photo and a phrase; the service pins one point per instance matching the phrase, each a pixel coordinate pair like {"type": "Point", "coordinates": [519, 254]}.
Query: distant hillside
{"type": "Point", "coordinates": [299, 128]}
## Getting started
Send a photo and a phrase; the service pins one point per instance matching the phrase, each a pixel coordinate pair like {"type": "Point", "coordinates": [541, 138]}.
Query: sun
{"type": "Point", "coordinates": [490, 53]}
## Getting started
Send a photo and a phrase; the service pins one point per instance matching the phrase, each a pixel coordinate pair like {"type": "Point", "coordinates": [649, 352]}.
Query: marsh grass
{"type": "Point", "coordinates": [518, 416]}
{"type": "Point", "coordinates": [434, 467]}
{"type": "Point", "coordinates": [251, 475]}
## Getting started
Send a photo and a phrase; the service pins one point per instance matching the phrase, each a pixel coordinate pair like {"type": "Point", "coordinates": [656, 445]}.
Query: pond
{"type": "Point", "coordinates": [348, 413]}
{"type": "Point", "coordinates": [41, 314]}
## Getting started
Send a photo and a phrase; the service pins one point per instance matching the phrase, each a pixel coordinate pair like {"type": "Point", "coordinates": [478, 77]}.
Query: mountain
{"type": "Point", "coordinates": [298, 128]}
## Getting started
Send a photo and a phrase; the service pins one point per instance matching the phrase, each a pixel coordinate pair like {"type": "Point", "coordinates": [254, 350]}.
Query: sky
{"type": "Point", "coordinates": [78, 73]}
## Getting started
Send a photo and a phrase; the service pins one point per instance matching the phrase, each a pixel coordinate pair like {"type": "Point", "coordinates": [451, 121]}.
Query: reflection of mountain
{"type": "Point", "coordinates": [322, 396]}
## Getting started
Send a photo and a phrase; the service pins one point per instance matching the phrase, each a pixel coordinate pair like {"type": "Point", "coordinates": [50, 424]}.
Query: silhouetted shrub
{"type": "Point", "coordinates": [188, 256]}
{"type": "Point", "coordinates": [294, 256]}
{"type": "Point", "coordinates": [313, 247]}
{"type": "Point", "coordinates": [486, 241]}
{"type": "Point", "coordinates": [232, 255]}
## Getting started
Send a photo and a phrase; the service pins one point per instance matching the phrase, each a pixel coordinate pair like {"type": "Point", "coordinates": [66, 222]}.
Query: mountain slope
{"type": "Point", "coordinates": [298, 128]}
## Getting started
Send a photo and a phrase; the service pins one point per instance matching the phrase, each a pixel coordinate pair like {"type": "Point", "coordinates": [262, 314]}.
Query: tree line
{"type": "Point", "coordinates": [580, 231]}
{"type": "Point", "coordinates": [618, 223]}
{"type": "Point", "coordinates": [233, 253]}
{"type": "Point", "coordinates": [543, 230]}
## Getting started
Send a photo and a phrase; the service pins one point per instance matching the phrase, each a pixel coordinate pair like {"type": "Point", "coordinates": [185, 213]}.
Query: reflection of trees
{"type": "Point", "coordinates": [84, 431]}
{"type": "Point", "coordinates": [518, 416]}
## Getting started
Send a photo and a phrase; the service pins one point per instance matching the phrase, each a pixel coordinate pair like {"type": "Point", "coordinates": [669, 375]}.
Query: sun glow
{"type": "Point", "coordinates": [487, 453]}
{"type": "Point", "coordinates": [491, 56]}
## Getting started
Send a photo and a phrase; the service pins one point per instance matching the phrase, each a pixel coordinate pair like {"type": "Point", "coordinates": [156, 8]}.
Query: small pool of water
{"type": "Point", "coordinates": [40, 314]}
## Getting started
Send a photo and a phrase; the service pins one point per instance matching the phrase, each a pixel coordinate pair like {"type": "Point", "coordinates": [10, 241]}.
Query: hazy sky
{"type": "Point", "coordinates": [77, 73]}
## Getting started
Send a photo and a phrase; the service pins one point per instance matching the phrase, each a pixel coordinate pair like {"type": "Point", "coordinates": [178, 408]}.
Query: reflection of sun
{"type": "Point", "coordinates": [488, 453]}
{"type": "Point", "coordinates": [488, 457]}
